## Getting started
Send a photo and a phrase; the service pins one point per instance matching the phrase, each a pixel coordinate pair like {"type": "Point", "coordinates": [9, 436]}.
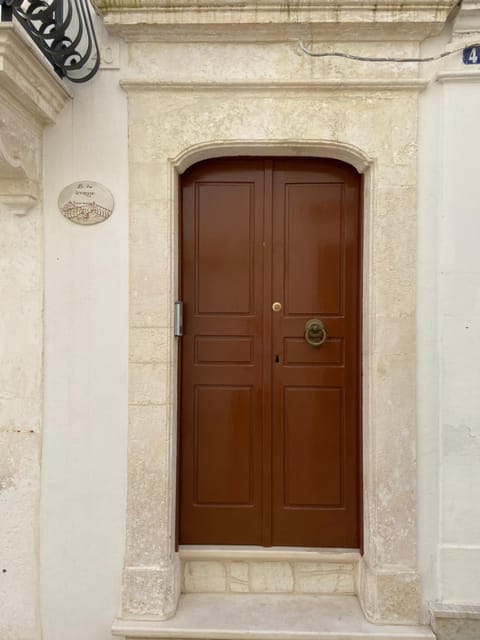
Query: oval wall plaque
{"type": "Point", "coordinates": [86, 202]}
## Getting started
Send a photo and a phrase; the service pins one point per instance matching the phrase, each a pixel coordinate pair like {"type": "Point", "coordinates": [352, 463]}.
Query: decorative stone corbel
{"type": "Point", "coordinates": [30, 97]}
{"type": "Point", "coordinates": [467, 20]}
{"type": "Point", "coordinates": [19, 182]}
{"type": "Point", "coordinates": [466, 29]}
{"type": "Point", "coordinates": [19, 164]}
{"type": "Point", "coordinates": [19, 205]}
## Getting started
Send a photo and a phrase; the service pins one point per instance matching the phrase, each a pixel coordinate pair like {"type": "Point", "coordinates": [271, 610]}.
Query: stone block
{"type": "Point", "coordinates": [271, 577]}
{"type": "Point", "coordinates": [150, 345]}
{"type": "Point", "coordinates": [456, 622]}
{"type": "Point", "coordinates": [151, 490]}
{"type": "Point", "coordinates": [148, 383]}
{"type": "Point", "coordinates": [204, 577]}
{"type": "Point", "coordinates": [238, 577]}
{"type": "Point", "coordinates": [316, 577]}
{"type": "Point", "coordinates": [151, 591]}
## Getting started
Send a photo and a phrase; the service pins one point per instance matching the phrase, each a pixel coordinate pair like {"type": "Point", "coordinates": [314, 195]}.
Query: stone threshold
{"type": "Point", "coordinates": [270, 554]}
{"type": "Point", "coordinates": [267, 617]}
{"type": "Point", "coordinates": [268, 570]}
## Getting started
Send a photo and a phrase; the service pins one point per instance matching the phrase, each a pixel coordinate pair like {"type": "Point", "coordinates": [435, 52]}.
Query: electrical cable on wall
{"type": "Point", "coordinates": [351, 56]}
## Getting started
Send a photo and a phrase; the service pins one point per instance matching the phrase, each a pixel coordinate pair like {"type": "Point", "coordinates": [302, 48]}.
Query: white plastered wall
{"type": "Point", "coordinates": [448, 321]}
{"type": "Point", "coordinates": [459, 326]}
{"type": "Point", "coordinates": [85, 415]}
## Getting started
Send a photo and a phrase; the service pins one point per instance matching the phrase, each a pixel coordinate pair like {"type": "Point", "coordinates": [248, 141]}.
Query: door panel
{"type": "Point", "coordinates": [224, 248]}
{"type": "Point", "coordinates": [315, 430]}
{"type": "Point", "coordinates": [223, 445]}
{"type": "Point", "coordinates": [222, 368]}
{"type": "Point", "coordinates": [313, 246]}
{"type": "Point", "coordinates": [306, 483]}
{"type": "Point", "coordinates": [269, 425]}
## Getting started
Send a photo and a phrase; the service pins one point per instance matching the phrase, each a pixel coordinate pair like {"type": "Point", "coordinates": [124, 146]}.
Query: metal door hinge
{"type": "Point", "coordinates": [178, 319]}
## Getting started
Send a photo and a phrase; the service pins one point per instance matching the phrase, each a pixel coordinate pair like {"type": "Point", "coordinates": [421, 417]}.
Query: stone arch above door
{"type": "Point", "coordinates": [230, 120]}
{"type": "Point", "coordinates": [331, 149]}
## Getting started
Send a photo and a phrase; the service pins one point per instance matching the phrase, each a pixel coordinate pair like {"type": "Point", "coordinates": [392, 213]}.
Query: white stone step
{"type": "Point", "coordinates": [268, 570]}
{"type": "Point", "coordinates": [267, 617]}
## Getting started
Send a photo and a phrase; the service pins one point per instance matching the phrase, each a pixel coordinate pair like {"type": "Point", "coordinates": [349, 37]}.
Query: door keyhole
{"type": "Point", "coordinates": [277, 359]}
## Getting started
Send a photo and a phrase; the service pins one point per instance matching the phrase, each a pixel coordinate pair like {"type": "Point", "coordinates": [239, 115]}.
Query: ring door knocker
{"type": "Point", "coordinates": [315, 333]}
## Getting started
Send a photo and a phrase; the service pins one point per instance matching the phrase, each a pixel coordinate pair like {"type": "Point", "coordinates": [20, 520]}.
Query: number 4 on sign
{"type": "Point", "coordinates": [471, 55]}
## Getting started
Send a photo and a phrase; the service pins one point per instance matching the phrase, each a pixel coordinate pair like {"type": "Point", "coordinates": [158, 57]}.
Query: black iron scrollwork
{"type": "Point", "coordinates": [63, 31]}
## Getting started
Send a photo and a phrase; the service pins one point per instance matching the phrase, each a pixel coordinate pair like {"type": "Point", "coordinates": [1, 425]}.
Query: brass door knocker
{"type": "Point", "coordinates": [315, 333]}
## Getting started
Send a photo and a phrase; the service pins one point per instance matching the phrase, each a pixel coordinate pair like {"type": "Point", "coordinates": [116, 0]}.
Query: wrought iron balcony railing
{"type": "Point", "coordinates": [63, 30]}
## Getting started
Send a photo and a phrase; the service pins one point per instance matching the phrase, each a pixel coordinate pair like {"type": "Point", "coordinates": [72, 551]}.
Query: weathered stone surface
{"type": "Point", "coordinates": [19, 498]}
{"type": "Point", "coordinates": [271, 577]}
{"type": "Point", "coordinates": [152, 591]}
{"type": "Point", "coordinates": [217, 19]}
{"type": "Point", "coordinates": [269, 570]}
{"type": "Point", "coordinates": [238, 577]}
{"type": "Point", "coordinates": [324, 578]}
{"type": "Point", "coordinates": [204, 577]}
{"type": "Point", "coordinates": [456, 622]}
{"type": "Point", "coordinates": [30, 96]}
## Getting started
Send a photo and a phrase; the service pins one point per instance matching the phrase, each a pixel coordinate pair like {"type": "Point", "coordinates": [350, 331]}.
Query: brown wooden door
{"type": "Point", "coordinates": [270, 425]}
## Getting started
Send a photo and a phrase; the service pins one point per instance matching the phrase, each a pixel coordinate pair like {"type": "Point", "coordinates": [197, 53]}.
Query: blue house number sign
{"type": "Point", "coordinates": [471, 55]}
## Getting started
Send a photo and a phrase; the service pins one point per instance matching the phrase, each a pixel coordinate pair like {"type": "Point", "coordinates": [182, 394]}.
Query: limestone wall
{"type": "Point", "coordinates": [30, 97]}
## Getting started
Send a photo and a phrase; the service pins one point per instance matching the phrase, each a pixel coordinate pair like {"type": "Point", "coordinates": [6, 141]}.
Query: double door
{"type": "Point", "coordinates": [269, 433]}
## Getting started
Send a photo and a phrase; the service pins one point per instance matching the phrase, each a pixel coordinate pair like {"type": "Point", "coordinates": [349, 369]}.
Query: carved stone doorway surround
{"type": "Point", "coordinates": [389, 584]}
{"type": "Point", "coordinates": [184, 110]}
